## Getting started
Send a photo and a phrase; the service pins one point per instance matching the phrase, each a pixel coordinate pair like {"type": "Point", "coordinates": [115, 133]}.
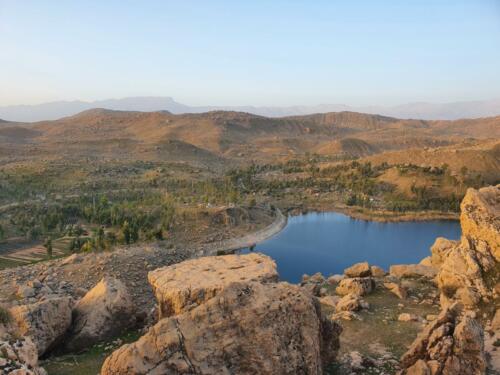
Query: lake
{"type": "Point", "coordinates": [330, 242]}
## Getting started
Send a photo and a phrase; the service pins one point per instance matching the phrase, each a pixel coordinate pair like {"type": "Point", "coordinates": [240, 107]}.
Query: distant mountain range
{"type": "Point", "coordinates": [421, 110]}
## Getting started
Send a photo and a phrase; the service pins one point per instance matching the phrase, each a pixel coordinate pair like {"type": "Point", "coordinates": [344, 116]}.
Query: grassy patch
{"type": "Point", "coordinates": [89, 362]}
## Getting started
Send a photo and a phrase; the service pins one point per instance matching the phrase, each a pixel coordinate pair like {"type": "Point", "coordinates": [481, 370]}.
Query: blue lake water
{"type": "Point", "coordinates": [330, 242]}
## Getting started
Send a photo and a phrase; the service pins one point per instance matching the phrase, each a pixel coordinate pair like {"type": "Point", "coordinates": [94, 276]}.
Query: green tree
{"type": "Point", "coordinates": [48, 247]}
{"type": "Point", "coordinates": [2, 233]}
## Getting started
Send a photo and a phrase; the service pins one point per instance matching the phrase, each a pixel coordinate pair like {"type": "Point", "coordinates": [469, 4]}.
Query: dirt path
{"type": "Point", "coordinates": [249, 240]}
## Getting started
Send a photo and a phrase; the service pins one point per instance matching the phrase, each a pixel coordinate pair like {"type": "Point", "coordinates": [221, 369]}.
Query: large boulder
{"type": "Point", "coordinates": [103, 313]}
{"type": "Point", "coordinates": [188, 284]}
{"type": "Point", "coordinates": [248, 328]}
{"type": "Point", "coordinates": [470, 270]}
{"type": "Point", "coordinates": [356, 286]}
{"type": "Point", "coordinates": [358, 270]}
{"type": "Point", "coordinates": [451, 344]}
{"type": "Point", "coordinates": [46, 322]}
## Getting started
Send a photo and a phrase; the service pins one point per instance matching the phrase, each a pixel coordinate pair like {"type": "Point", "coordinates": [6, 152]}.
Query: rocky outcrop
{"type": "Point", "coordinates": [103, 313]}
{"type": "Point", "coordinates": [188, 284]}
{"type": "Point", "coordinates": [45, 322]}
{"type": "Point", "coordinates": [451, 344]}
{"type": "Point", "coordinates": [470, 269]}
{"type": "Point", "coordinates": [245, 323]}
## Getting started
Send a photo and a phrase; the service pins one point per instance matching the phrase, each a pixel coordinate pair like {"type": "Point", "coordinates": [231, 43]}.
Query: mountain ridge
{"type": "Point", "coordinates": [416, 110]}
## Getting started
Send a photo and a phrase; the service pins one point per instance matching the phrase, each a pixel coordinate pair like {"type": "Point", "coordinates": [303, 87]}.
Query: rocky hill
{"type": "Point", "coordinates": [235, 136]}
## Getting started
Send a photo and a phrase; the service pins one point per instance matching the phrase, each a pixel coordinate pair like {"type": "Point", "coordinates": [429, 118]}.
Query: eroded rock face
{"type": "Point", "coordinates": [248, 328]}
{"type": "Point", "coordinates": [470, 271]}
{"type": "Point", "coordinates": [188, 284]}
{"type": "Point", "coordinates": [451, 344]}
{"type": "Point", "coordinates": [103, 313]}
{"type": "Point", "coordinates": [45, 322]}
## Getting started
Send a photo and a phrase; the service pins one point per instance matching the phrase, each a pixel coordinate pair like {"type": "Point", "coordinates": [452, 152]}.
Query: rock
{"type": "Point", "coordinates": [397, 289]}
{"type": "Point", "coordinates": [103, 313]}
{"type": "Point", "coordinates": [345, 315]}
{"type": "Point", "coordinates": [317, 278]}
{"type": "Point", "coordinates": [451, 344]}
{"type": "Point", "coordinates": [495, 323]}
{"type": "Point", "coordinates": [312, 288]}
{"type": "Point", "coordinates": [188, 284]}
{"type": "Point", "coordinates": [330, 301]}
{"type": "Point", "coordinates": [334, 279]}
{"type": "Point", "coordinates": [18, 356]}
{"type": "Point", "coordinates": [25, 291]}
{"type": "Point", "coordinates": [427, 261]}
{"type": "Point", "coordinates": [46, 322]}
{"type": "Point", "coordinates": [469, 271]}
{"type": "Point", "coordinates": [350, 302]}
{"type": "Point", "coordinates": [323, 292]}
{"type": "Point", "coordinates": [430, 317]}
{"type": "Point", "coordinates": [249, 328]}
{"type": "Point", "coordinates": [377, 271]}
{"type": "Point", "coordinates": [440, 250]}
{"type": "Point", "coordinates": [358, 270]}
{"type": "Point", "coordinates": [419, 368]}
{"type": "Point", "coordinates": [356, 285]}
{"type": "Point", "coordinates": [406, 317]}
{"type": "Point", "coordinates": [412, 270]}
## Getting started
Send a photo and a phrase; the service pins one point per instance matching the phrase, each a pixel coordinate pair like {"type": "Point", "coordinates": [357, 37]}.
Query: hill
{"type": "Point", "coordinates": [419, 110]}
{"type": "Point", "coordinates": [223, 138]}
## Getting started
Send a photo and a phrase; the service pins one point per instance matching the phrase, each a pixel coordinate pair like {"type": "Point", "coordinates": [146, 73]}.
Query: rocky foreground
{"type": "Point", "coordinates": [231, 315]}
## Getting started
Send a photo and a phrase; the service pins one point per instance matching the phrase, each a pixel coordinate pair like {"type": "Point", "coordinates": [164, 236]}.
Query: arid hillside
{"type": "Point", "coordinates": [221, 138]}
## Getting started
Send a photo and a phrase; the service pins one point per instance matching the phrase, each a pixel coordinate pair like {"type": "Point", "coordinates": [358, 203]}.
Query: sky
{"type": "Point", "coordinates": [250, 52]}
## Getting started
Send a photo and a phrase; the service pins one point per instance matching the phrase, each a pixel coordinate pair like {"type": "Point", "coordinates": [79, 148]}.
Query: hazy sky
{"type": "Point", "coordinates": [250, 52]}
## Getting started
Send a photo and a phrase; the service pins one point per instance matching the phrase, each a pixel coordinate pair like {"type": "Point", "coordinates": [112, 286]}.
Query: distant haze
{"type": "Point", "coordinates": [426, 111]}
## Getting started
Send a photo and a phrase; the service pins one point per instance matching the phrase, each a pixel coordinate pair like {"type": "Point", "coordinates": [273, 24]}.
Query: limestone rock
{"type": "Point", "coordinates": [329, 300]}
{"type": "Point", "coordinates": [350, 302]}
{"type": "Point", "coordinates": [406, 317]}
{"type": "Point", "coordinates": [45, 322]}
{"type": "Point", "coordinates": [480, 220]}
{"type": "Point", "coordinates": [469, 271]}
{"type": "Point", "coordinates": [185, 285]}
{"type": "Point", "coordinates": [248, 328]}
{"type": "Point", "coordinates": [440, 250]}
{"type": "Point", "coordinates": [358, 270]}
{"type": "Point", "coordinates": [103, 313]}
{"type": "Point", "coordinates": [451, 344]}
{"type": "Point", "coordinates": [412, 270]}
{"type": "Point", "coordinates": [18, 356]}
{"type": "Point", "coordinates": [356, 285]}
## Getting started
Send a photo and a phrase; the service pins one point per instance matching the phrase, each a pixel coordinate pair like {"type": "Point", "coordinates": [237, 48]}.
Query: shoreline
{"type": "Point", "coordinates": [381, 216]}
